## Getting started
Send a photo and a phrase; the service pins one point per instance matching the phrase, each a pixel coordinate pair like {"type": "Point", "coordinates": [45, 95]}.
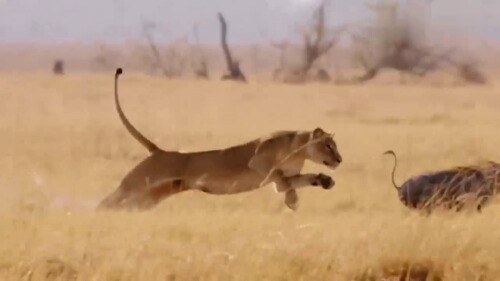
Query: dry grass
{"type": "Point", "coordinates": [63, 149]}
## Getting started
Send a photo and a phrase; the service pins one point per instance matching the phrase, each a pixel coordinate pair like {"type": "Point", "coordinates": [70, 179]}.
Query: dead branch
{"type": "Point", "coordinates": [282, 47]}
{"type": "Point", "coordinates": [158, 64]}
{"type": "Point", "coordinates": [233, 67]}
{"type": "Point", "coordinates": [391, 43]}
{"type": "Point", "coordinates": [255, 54]}
{"type": "Point", "coordinates": [201, 70]}
{"type": "Point", "coordinates": [106, 57]}
{"type": "Point", "coordinates": [200, 65]}
{"type": "Point", "coordinates": [176, 62]}
{"type": "Point", "coordinates": [317, 42]}
{"type": "Point", "coordinates": [395, 42]}
{"type": "Point", "coordinates": [171, 63]}
{"type": "Point", "coordinates": [314, 47]}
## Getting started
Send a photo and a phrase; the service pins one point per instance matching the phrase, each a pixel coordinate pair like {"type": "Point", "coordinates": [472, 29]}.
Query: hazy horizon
{"type": "Point", "coordinates": [250, 21]}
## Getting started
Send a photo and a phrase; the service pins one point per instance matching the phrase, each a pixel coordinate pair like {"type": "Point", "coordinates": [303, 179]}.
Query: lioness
{"type": "Point", "coordinates": [278, 159]}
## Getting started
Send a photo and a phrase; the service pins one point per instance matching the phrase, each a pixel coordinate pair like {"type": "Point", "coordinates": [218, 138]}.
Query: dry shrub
{"type": "Point", "coordinates": [397, 39]}
{"type": "Point", "coordinates": [471, 73]}
{"type": "Point", "coordinates": [403, 270]}
{"type": "Point", "coordinates": [51, 269]}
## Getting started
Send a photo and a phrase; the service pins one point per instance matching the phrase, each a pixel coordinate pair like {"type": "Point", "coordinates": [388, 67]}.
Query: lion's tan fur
{"type": "Point", "coordinates": [278, 158]}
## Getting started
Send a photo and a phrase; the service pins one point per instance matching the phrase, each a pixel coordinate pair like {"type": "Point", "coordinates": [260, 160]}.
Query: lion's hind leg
{"type": "Point", "coordinates": [114, 200]}
{"type": "Point", "coordinates": [153, 195]}
{"type": "Point", "coordinates": [141, 199]}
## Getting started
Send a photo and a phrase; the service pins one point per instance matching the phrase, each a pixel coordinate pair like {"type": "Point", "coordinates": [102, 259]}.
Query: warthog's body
{"type": "Point", "coordinates": [452, 188]}
{"type": "Point", "coordinates": [445, 188]}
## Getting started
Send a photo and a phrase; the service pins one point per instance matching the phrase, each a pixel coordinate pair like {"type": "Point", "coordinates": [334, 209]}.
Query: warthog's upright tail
{"type": "Point", "coordinates": [390, 152]}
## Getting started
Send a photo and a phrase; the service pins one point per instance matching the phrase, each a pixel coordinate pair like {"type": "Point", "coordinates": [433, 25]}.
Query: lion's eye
{"type": "Point", "coordinates": [329, 147]}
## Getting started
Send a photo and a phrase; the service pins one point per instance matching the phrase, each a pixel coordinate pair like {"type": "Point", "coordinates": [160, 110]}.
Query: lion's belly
{"type": "Point", "coordinates": [227, 184]}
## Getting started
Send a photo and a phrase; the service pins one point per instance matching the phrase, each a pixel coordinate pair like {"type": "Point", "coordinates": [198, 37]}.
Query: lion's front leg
{"type": "Point", "coordinates": [284, 183]}
{"type": "Point", "coordinates": [304, 180]}
{"type": "Point", "coordinates": [292, 199]}
{"type": "Point", "coordinates": [288, 185]}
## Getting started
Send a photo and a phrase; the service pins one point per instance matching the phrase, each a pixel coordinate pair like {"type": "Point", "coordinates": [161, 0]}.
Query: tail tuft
{"type": "Point", "coordinates": [119, 71]}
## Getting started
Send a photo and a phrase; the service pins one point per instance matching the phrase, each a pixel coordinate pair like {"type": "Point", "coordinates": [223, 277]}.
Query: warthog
{"type": "Point", "coordinates": [453, 188]}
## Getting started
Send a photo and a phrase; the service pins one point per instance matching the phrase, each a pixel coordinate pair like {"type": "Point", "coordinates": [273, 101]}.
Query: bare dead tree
{"type": "Point", "coordinates": [201, 70]}
{"type": "Point", "coordinates": [392, 42]}
{"type": "Point", "coordinates": [199, 65]}
{"type": "Point", "coordinates": [172, 63]}
{"type": "Point", "coordinates": [157, 63]}
{"type": "Point", "coordinates": [255, 53]}
{"type": "Point", "coordinates": [316, 44]}
{"type": "Point", "coordinates": [233, 66]}
{"type": "Point", "coordinates": [58, 67]}
{"type": "Point", "coordinates": [175, 60]}
{"type": "Point", "coordinates": [395, 42]}
{"type": "Point", "coordinates": [106, 57]}
{"type": "Point", "coordinates": [318, 40]}
{"type": "Point", "coordinates": [282, 47]}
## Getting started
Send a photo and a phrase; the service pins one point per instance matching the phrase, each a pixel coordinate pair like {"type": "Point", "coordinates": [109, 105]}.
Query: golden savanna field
{"type": "Point", "coordinates": [64, 149]}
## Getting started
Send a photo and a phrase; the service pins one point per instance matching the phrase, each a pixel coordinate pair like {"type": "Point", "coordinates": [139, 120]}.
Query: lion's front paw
{"type": "Point", "coordinates": [292, 200]}
{"type": "Point", "coordinates": [325, 181]}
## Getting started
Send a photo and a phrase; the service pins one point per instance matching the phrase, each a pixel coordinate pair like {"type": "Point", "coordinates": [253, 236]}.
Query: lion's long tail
{"type": "Point", "coordinates": [130, 128]}
{"type": "Point", "coordinates": [394, 168]}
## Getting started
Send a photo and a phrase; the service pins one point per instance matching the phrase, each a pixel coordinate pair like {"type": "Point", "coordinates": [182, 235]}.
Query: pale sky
{"type": "Point", "coordinates": [250, 20]}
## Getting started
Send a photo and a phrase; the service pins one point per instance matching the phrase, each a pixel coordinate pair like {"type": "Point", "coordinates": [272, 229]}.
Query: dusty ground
{"type": "Point", "coordinates": [63, 149]}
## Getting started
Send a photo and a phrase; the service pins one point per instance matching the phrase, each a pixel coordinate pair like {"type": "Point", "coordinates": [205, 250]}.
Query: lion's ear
{"type": "Point", "coordinates": [318, 133]}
